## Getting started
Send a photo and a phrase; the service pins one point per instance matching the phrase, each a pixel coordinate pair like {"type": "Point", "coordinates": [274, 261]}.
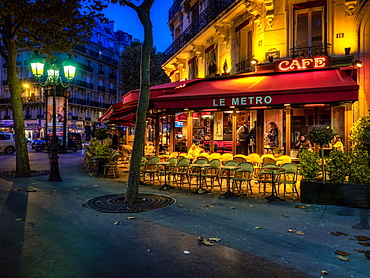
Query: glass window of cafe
{"type": "Point", "coordinates": [303, 119]}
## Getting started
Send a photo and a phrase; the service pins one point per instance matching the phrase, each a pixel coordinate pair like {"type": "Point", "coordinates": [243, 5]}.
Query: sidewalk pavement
{"type": "Point", "coordinates": [48, 233]}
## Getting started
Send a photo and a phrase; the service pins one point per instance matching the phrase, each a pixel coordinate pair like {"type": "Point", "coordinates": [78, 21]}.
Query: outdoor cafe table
{"type": "Point", "coordinates": [229, 193]}
{"type": "Point", "coordinates": [273, 196]}
{"type": "Point", "coordinates": [165, 164]}
{"type": "Point", "coordinates": [201, 166]}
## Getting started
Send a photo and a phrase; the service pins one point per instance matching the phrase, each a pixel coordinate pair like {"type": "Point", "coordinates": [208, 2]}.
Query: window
{"type": "Point", "coordinates": [74, 94]}
{"type": "Point", "coordinates": [309, 28]}
{"type": "Point", "coordinates": [193, 68]}
{"type": "Point", "coordinates": [211, 60]}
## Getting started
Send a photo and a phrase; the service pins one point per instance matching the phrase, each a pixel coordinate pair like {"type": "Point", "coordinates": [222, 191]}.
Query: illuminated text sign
{"type": "Point", "coordinates": [236, 101]}
{"type": "Point", "coordinates": [302, 64]}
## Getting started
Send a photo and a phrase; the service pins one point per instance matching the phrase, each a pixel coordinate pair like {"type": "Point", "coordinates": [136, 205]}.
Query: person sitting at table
{"type": "Point", "coordinates": [338, 143]}
{"type": "Point", "coordinates": [195, 150]}
{"type": "Point", "coordinates": [303, 143]}
{"type": "Point", "coordinates": [149, 149]}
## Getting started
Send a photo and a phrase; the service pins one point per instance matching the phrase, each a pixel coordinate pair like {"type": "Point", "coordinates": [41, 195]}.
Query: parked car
{"type": "Point", "coordinates": [7, 143]}
{"type": "Point", "coordinates": [39, 145]}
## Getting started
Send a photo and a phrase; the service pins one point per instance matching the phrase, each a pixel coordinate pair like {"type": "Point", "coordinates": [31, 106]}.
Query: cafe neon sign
{"type": "Point", "coordinates": [303, 64]}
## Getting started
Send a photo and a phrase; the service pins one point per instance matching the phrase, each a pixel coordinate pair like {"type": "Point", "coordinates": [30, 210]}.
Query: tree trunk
{"type": "Point", "coordinates": [140, 124]}
{"type": "Point", "coordinates": [22, 160]}
{"type": "Point", "coordinates": [323, 164]}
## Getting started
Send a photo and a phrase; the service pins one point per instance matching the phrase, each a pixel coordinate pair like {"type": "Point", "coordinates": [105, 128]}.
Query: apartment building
{"type": "Point", "coordinates": [92, 92]}
{"type": "Point", "coordinates": [295, 63]}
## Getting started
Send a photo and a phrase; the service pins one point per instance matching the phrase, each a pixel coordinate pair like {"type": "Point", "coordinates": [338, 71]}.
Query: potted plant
{"type": "Point", "coordinates": [348, 182]}
{"type": "Point", "coordinates": [321, 135]}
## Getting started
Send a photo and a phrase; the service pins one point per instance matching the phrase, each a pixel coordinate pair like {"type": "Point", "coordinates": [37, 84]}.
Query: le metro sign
{"type": "Point", "coordinates": [302, 64]}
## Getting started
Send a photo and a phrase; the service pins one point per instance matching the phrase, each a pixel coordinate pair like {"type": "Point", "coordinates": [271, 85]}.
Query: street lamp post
{"type": "Point", "coordinates": [53, 79]}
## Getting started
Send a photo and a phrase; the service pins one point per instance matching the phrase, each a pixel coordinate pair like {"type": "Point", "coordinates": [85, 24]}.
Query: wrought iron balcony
{"type": "Point", "coordinates": [214, 9]}
{"type": "Point", "coordinates": [311, 51]}
{"type": "Point", "coordinates": [174, 9]}
{"type": "Point", "coordinates": [244, 66]}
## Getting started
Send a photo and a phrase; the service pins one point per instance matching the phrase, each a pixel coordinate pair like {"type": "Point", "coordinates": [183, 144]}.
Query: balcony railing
{"type": "Point", "coordinates": [207, 16]}
{"type": "Point", "coordinates": [244, 66]}
{"type": "Point", "coordinates": [311, 51]}
{"type": "Point", "coordinates": [174, 9]}
{"type": "Point", "coordinates": [32, 99]}
{"type": "Point", "coordinates": [101, 88]}
{"type": "Point", "coordinates": [5, 100]}
{"type": "Point", "coordinates": [27, 116]}
{"type": "Point", "coordinates": [88, 103]}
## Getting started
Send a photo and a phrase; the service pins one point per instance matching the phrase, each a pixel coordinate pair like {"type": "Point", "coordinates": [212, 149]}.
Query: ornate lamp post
{"type": "Point", "coordinates": [53, 79]}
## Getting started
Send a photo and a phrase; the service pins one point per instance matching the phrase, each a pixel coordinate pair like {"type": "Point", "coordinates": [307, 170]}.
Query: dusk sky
{"type": "Point", "coordinates": [126, 20]}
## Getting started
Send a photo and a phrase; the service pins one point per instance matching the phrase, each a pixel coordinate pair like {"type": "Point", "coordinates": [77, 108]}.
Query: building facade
{"type": "Point", "coordinates": [294, 42]}
{"type": "Point", "coordinates": [93, 90]}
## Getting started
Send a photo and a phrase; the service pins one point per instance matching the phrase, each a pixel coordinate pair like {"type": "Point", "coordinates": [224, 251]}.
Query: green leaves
{"type": "Point", "coordinates": [309, 165]}
{"type": "Point", "coordinates": [130, 68]}
{"type": "Point", "coordinates": [321, 135]}
{"type": "Point", "coordinates": [338, 166]}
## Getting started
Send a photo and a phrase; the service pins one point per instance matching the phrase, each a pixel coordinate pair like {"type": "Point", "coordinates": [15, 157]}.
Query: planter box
{"type": "Point", "coordinates": [337, 194]}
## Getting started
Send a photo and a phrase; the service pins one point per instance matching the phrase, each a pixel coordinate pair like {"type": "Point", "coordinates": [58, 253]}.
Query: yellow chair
{"type": "Point", "coordinates": [226, 157]}
{"type": "Point", "coordinates": [283, 159]}
{"type": "Point", "coordinates": [204, 155]}
{"type": "Point", "coordinates": [255, 159]}
{"type": "Point", "coordinates": [173, 154]}
{"type": "Point", "coordinates": [214, 156]}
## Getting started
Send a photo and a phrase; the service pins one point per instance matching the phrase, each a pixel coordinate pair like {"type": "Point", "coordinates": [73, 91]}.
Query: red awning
{"type": "Point", "coordinates": [320, 86]}
{"type": "Point", "coordinates": [155, 91]}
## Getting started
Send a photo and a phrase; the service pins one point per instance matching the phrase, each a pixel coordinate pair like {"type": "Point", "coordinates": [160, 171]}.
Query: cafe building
{"type": "Point", "coordinates": [293, 63]}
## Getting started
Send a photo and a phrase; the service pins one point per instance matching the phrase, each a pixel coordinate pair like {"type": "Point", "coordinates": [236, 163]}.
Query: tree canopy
{"type": "Point", "coordinates": [51, 26]}
{"type": "Point", "coordinates": [130, 68]}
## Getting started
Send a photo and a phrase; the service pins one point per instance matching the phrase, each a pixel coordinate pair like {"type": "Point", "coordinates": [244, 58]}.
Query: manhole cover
{"type": "Point", "coordinates": [114, 203]}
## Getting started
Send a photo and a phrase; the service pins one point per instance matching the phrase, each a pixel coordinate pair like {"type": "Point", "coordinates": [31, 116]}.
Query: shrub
{"type": "Point", "coordinates": [359, 169]}
{"type": "Point", "coordinates": [309, 165]}
{"type": "Point", "coordinates": [338, 166]}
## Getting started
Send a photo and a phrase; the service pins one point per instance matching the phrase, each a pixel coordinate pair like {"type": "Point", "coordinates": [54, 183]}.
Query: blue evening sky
{"type": "Point", "coordinates": [126, 20]}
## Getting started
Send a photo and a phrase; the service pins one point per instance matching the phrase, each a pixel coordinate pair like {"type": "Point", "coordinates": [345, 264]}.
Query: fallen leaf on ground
{"type": "Point", "coordinates": [324, 272]}
{"type": "Point", "coordinates": [186, 252]}
{"type": "Point", "coordinates": [232, 207]}
{"type": "Point", "coordinates": [366, 244]}
{"type": "Point", "coordinates": [286, 216]}
{"type": "Point", "coordinates": [257, 227]}
{"type": "Point", "coordinates": [342, 253]}
{"type": "Point", "coordinates": [180, 206]}
{"type": "Point", "coordinates": [300, 207]}
{"type": "Point", "coordinates": [214, 239]}
{"type": "Point", "coordinates": [207, 205]}
{"type": "Point", "coordinates": [360, 251]}
{"type": "Point", "coordinates": [131, 217]}
{"type": "Point", "coordinates": [338, 233]}
{"type": "Point", "coordinates": [251, 205]}
{"type": "Point", "coordinates": [19, 219]}
{"type": "Point", "coordinates": [343, 258]}
{"type": "Point", "coordinates": [20, 188]}
{"type": "Point", "coordinates": [367, 255]}
{"type": "Point", "coordinates": [205, 241]}
{"type": "Point", "coordinates": [77, 188]}
{"type": "Point", "coordinates": [117, 222]}
{"type": "Point", "coordinates": [290, 231]}
{"type": "Point", "coordinates": [299, 233]}
{"type": "Point", "coordinates": [362, 238]}
{"type": "Point", "coordinates": [30, 189]}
